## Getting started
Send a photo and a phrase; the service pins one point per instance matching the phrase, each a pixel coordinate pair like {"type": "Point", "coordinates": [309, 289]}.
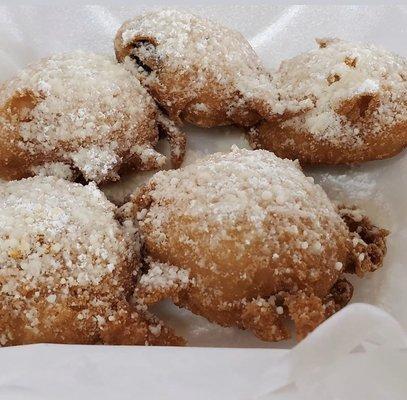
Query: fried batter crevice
{"type": "Point", "coordinates": [367, 242]}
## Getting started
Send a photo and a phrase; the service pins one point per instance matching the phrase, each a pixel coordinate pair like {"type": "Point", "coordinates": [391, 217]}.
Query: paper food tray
{"type": "Point", "coordinates": [355, 354]}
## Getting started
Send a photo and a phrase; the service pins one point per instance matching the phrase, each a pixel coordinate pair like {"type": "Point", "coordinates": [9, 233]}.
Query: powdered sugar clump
{"type": "Point", "coordinates": [162, 276]}
{"type": "Point", "coordinates": [57, 169]}
{"type": "Point", "coordinates": [97, 161]}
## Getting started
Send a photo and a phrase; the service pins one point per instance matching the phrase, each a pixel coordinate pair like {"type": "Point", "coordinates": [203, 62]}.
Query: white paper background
{"type": "Point", "coordinates": [323, 366]}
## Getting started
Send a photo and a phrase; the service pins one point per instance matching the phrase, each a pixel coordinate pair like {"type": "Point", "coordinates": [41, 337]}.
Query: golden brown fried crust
{"type": "Point", "coordinates": [285, 142]}
{"type": "Point", "coordinates": [260, 316]}
{"type": "Point", "coordinates": [76, 321]}
{"type": "Point", "coordinates": [225, 309]}
{"type": "Point", "coordinates": [304, 307]}
{"type": "Point", "coordinates": [60, 324]}
{"type": "Point", "coordinates": [15, 162]}
{"type": "Point", "coordinates": [136, 328]}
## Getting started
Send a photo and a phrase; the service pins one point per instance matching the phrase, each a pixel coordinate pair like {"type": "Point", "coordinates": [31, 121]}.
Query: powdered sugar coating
{"type": "Point", "coordinates": [186, 41]}
{"type": "Point", "coordinates": [224, 189]}
{"type": "Point", "coordinates": [52, 230]}
{"type": "Point", "coordinates": [358, 90]}
{"type": "Point", "coordinates": [81, 109]}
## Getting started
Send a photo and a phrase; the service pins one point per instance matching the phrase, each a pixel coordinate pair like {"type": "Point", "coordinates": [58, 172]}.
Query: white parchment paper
{"type": "Point", "coordinates": [354, 355]}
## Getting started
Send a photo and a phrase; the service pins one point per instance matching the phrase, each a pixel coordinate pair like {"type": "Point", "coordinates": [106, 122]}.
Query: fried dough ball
{"type": "Point", "coordinates": [245, 239]}
{"type": "Point", "coordinates": [80, 113]}
{"type": "Point", "coordinates": [360, 106]}
{"type": "Point", "coordinates": [67, 268]}
{"type": "Point", "coordinates": [197, 70]}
